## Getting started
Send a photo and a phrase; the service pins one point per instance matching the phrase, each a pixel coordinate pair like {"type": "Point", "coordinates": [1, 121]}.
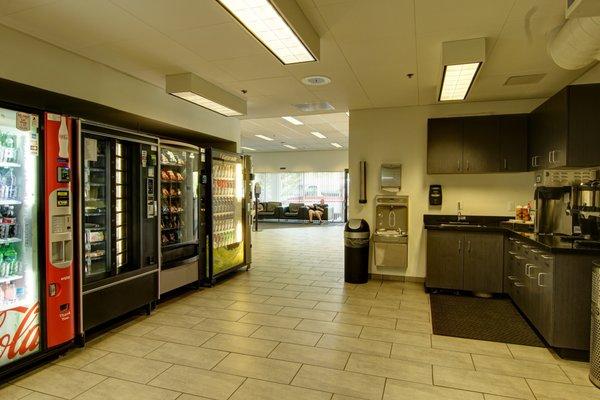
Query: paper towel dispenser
{"type": "Point", "coordinates": [390, 177]}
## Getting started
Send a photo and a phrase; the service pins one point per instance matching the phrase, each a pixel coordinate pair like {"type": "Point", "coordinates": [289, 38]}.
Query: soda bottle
{"type": "Point", "coordinates": [10, 258]}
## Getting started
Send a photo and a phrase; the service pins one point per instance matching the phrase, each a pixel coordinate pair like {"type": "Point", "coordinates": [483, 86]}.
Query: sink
{"type": "Point", "coordinates": [461, 225]}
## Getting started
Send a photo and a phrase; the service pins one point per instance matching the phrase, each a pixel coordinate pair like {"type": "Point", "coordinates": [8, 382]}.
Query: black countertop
{"type": "Point", "coordinates": [550, 243]}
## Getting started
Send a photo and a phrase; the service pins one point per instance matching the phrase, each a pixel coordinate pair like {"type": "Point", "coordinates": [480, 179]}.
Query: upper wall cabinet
{"type": "Point", "coordinates": [471, 145]}
{"type": "Point", "coordinates": [564, 130]}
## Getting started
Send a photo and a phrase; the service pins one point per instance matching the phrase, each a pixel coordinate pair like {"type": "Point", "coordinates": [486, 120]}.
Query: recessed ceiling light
{"type": "Point", "coordinates": [264, 138]}
{"type": "Point", "coordinates": [461, 59]}
{"type": "Point", "coordinates": [194, 89]}
{"type": "Point", "coordinates": [319, 135]}
{"type": "Point", "coordinates": [248, 148]}
{"type": "Point", "coordinates": [265, 22]}
{"type": "Point", "coordinates": [336, 145]}
{"type": "Point", "coordinates": [293, 120]}
{"type": "Point", "coordinates": [290, 146]}
{"type": "Point", "coordinates": [316, 80]}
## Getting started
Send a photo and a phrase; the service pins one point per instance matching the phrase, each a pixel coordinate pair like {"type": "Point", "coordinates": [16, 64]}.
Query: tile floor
{"type": "Point", "coordinates": [292, 329]}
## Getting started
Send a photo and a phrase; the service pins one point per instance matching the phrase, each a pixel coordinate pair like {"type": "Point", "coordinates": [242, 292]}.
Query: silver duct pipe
{"type": "Point", "coordinates": [577, 43]}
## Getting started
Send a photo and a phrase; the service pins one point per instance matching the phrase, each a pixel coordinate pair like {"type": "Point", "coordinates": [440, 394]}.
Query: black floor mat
{"type": "Point", "coordinates": [496, 320]}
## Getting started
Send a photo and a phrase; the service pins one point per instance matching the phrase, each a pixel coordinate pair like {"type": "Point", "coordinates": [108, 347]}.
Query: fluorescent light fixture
{"type": "Point", "coordinates": [319, 135]}
{"type": "Point", "coordinates": [336, 145]}
{"type": "Point", "coordinates": [268, 139]}
{"type": "Point", "coordinates": [280, 26]}
{"type": "Point", "coordinates": [293, 120]}
{"type": "Point", "coordinates": [248, 148]}
{"type": "Point", "coordinates": [194, 89]}
{"type": "Point", "coordinates": [348, 113]}
{"type": "Point", "coordinates": [290, 146]}
{"type": "Point", "coordinates": [461, 59]}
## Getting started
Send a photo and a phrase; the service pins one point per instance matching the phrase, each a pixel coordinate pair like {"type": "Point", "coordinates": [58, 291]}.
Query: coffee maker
{"type": "Point", "coordinates": [553, 211]}
{"type": "Point", "coordinates": [586, 209]}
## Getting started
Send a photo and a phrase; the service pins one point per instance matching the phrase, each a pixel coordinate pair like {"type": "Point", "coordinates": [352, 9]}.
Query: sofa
{"type": "Point", "coordinates": [294, 211]}
{"type": "Point", "coordinates": [270, 210]}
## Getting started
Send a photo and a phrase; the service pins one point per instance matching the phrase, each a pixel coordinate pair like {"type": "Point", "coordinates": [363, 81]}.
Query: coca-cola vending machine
{"type": "Point", "coordinates": [36, 243]}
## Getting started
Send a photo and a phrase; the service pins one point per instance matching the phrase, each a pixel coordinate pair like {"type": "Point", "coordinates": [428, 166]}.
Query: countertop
{"type": "Point", "coordinates": [552, 244]}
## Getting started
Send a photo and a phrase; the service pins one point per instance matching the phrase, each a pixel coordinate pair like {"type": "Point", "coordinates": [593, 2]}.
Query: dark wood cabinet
{"type": "Point", "coordinates": [444, 146]}
{"type": "Point", "coordinates": [480, 144]}
{"type": "Point", "coordinates": [482, 262]}
{"type": "Point", "coordinates": [465, 260]}
{"type": "Point", "coordinates": [444, 259]}
{"type": "Point", "coordinates": [513, 143]}
{"type": "Point", "coordinates": [563, 131]}
{"type": "Point", "coordinates": [472, 145]}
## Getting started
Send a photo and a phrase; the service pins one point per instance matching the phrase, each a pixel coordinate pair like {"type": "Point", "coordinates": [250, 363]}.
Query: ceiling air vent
{"type": "Point", "coordinates": [309, 107]}
{"type": "Point", "coordinates": [524, 79]}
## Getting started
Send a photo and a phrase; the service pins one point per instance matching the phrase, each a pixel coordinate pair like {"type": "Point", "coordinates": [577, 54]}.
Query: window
{"type": "Point", "coordinates": [305, 187]}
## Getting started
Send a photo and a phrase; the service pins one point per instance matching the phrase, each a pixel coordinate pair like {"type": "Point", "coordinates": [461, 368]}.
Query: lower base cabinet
{"type": "Point", "coordinates": [465, 260]}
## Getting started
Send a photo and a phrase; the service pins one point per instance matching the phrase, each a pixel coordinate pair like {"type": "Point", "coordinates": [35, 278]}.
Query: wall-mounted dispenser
{"type": "Point", "coordinates": [390, 177]}
{"type": "Point", "coordinates": [435, 195]}
{"type": "Point", "coordinates": [362, 171]}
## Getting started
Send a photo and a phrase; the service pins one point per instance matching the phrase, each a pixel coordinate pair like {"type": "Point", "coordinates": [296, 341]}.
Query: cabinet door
{"type": "Point", "coordinates": [444, 259]}
{"type": "Point", "coordinates": [480, 144]}
{"type": "Point", "coordinates": [556, 115]}
{"type": "Point", "coordinates": [513, 143]}
{"type": "Point", "coordinates": [482, 269]}
{"type": "Point", "coordinates": [584, 124]}
{"type": "Point", "coordinates": [544, 281]}
{"type": "Point", "coordinates": [536, 142]}
{"type": "Point", "coordinates": [444, 146]}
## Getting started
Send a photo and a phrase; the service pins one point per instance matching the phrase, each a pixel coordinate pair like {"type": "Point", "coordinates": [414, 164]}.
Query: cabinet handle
{"type": "Point", "coordinates": [505, 164]}
{"type": "Point", "coordinates": [550, 157]}
{"type": "Point", "coordinates": [469, 246]}
{"type": "Point", "coordinates": [547, 257]}
{"type": "Point", "coordinates": [554, 156]}
{"type": "Point", "coordinates": [518, 284]}
{"type": "Point", "coordinates": [467, 165]}
{"type": "Point", "coordinates": [512, 277]}
{"type": "Point", "coordinates": [459, 246]}
{"type": "Point", "coordinates": [458, 165]}
{"type": "Point", "coordinates": [536, 251]}
{"type": "Point", "coordinates": [539, 279]}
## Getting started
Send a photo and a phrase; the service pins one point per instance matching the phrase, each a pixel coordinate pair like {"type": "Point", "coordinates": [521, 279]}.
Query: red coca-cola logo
{"type": "Point", "coordinates": [26, 338]}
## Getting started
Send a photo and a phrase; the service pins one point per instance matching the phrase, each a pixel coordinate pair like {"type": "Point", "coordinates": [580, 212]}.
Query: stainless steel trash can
{"type": "Point", "coordinates": [595, 329]}
{"type": "Point", "coordinates": [356, 251]}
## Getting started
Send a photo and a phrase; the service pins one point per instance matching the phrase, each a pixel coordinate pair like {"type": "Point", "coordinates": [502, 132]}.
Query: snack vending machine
{"type": "Point", "coordinates": [227, 210]}
{"type": "Point", "coordinates": [36, 237]}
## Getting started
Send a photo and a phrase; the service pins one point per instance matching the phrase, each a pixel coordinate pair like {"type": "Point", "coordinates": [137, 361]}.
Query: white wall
{"type": "Point", "coordinates": [33, 62]}
{"type": "Point", "coordinates": [400, 135]}
{"type": "Point", "coordinates": [300, 161]}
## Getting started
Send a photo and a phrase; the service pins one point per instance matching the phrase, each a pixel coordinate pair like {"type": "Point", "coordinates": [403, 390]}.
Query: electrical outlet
{"type": "Point", "coordinates": [510, 206]}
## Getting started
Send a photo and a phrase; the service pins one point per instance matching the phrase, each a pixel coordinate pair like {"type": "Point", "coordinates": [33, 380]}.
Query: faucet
{"type": "Point", "coordinates": [459, 216]}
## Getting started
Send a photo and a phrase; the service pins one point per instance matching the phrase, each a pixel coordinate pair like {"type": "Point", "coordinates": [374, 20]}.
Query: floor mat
{"type": "Point", "coordinates": [496, 320]}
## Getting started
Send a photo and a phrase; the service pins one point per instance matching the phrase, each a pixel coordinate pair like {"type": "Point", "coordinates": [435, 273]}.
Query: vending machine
{"type": "Point", "coordinates": [37, 317]}
{"type": "Point", "coordinates": [226, 195]}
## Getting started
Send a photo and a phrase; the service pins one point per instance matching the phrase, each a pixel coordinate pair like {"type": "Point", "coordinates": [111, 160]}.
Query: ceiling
{"type": "Point", "coordinates": [367, 47]}
{"type": "Point", "coordinates": [334, 126]}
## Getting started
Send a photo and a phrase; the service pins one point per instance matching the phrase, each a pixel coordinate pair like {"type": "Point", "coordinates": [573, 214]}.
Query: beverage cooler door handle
{"type": "Point", "coordinates": [458, 165]}
{"type": "Point", "coordinates": [459, 246]}
{"type": "Point", "coordinates": [469, 246]}
{"type": "Point", "coordinates": [539, 279]}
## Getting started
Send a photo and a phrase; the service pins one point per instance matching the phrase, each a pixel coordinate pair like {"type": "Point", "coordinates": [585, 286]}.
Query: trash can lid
{"type": "Point", "coordinates": [357, 225]}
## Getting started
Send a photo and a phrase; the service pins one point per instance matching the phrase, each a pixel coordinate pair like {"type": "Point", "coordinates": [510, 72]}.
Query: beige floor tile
{"type": "Point", "coordinates": [178, 320]}
{"type": "Point", "coordinates": [410, 315]}
{"type": "Point", "coordinates": [214, 385]}
{"type": "Point", "coordinates": [329, 327]}
{"type": "Point", "coordinates": [519, 368]}
{"type": "Point", "coordinates": [230, 327]}
{"type": "Point", "coordinates": [240, 344]}
{"type": "Point", "coordinates": [126, 367]}
{"type": "Point", "coordinates": [277, 292]}
{"type": "Point", "coordinates": [444, 358]}
{"type": "Point", "coordinates": [390, 368]}
{"type": "Point", "coordinates": [307, 288]}
{"type": "Point", "coordinates": [496, 397]}
{"type": "Point", "coordinates": [332, 298]}
{"type": "Point", "coordinates": [544, 390]}
{"type": "Point", "coordinates": [217, 313]}
{"type": "Point", "coordinates": [12, 392]}
{"type": "Point", "coordinates": [396, 336]}
{"type": "Point", "coordinates": [247, 297]}
{"type": "Point", "coordinates": [186, 396]}
{"type": "Point", "coordinates": [255, 308]}
{"type": "Point", "coordinates": [345, 308]}
{"type": "Point", "coordinates": [41, 396]}
{"type": "Point", "coordinates": [287, 335]}
{"type": "Point", "coordinates": [578, 372]}
{"type": "Point", "coordinates": [136, 328]}
{"type": "Point", "coordinates": [287, 302]}
{"type": "Point", "coordinates": [394, 304]}
{"type": "Point", "coordinates": [483, 382]}
{"type": "Point", "coordinates": [59, 381]}
{"type": "Point", "coordinates": [400, 390]}
{"type": "Point", "coordinates": [319, 315]}
{"type": "Point", "coordinates": [179, 335]}
{"type": "Point", "coordinates": [310, 355]}
{"type": "Point", "coordinates": [291, 281]}
{"type": "Point", "coordinates": [125, 344]}
{"type": "Point", "coordinates": [364, 320]}
{"type": "Point", "coordinates": [531, 353]}
{"type": "Point", "coordinates": [414, 326]}
{"type": "Point", "coordinates": [470, 346]}
{"type": "Point", "coordinates": [189, 356]}
{"type": "Point", "coordinates": [260, 390]}
{"type": "Point", "coordinates": [343, 397]}
{"type": "Point", "coordinates": [270, 320]}
{"type": "Point", "coordinates": [355, 345]}
{"type": "Point", "coordinates": [78, 358]}
{"type": "Point", "coordinates": [341, 382]}
{"type": "Point", "coordinates": [117, 389]}
{"type": "Point", "coordinates": [176, 308]}
{"type": "Point", "coordinates": [266, 369]}
{"type": "Point", "coordinates": [207, 303]}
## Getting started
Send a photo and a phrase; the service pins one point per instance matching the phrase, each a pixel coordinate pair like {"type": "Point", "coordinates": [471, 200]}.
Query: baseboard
{"type": "Point", "coordinates": [402, 278]}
